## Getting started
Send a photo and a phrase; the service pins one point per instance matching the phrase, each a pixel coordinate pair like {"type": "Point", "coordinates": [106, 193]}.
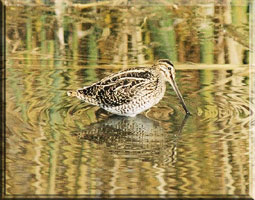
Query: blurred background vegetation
{"type": "Point", "coordinates": [129, 32]}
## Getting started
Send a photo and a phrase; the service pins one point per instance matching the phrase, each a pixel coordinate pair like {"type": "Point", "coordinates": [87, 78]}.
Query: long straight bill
{"type": "Point", "coordinates": [173, 83]}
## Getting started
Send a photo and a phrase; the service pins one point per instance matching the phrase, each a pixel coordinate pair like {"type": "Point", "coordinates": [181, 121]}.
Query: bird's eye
{"type": "Point", "coordinates": [172, 72]}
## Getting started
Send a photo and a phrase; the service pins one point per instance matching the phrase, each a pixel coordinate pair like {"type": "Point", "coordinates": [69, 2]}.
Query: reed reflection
{"type": "Point", "coordinates": [51, 49]}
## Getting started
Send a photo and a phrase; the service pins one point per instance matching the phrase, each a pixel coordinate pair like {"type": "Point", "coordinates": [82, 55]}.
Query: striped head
{"type": "Point", "coordinates": [166, 67]}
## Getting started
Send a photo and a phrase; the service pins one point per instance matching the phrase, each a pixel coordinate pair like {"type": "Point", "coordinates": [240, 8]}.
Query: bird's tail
{"type": "Point", "coordinates": [72, 93]}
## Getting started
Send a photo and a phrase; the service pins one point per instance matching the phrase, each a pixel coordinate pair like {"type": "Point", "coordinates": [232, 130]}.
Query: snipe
{"type": "Point", "coordinates": [131, 91]}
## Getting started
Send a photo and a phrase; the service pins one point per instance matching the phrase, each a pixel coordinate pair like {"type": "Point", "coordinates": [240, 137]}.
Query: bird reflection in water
{"type": "Point", "coordinates": [135, 137]}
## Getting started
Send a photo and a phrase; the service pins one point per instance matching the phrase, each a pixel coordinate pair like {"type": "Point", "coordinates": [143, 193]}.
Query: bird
{"type": "Point", "coordinates": [131, 91]}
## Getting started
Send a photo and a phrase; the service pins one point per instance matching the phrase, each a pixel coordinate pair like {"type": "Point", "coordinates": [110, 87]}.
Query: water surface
{"type": "Point", "coordinates": [59, 145]}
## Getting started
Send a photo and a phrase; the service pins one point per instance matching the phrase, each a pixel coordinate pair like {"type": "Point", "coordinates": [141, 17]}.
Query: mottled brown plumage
{"type": "Point", "coordinates": [131, 91]}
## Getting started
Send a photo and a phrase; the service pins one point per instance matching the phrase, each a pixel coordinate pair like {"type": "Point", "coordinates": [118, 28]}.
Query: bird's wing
{"type": "Point", "coordinates": [121, 88]}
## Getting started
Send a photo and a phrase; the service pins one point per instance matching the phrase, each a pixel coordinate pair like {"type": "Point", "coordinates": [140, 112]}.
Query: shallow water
{"type": "Point", "coordinates": [58, 145]}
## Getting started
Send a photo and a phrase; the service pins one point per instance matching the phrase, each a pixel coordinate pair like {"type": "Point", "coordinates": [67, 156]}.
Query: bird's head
{"type": "Point", "coordinates": [166, 67]}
